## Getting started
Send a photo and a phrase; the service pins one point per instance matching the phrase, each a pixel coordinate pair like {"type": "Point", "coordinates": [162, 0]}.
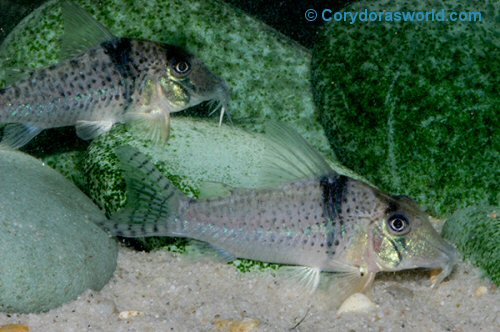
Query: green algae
{"type": "Point", "coordinates": [414, 106]}
{"type": "Point", "coordinates": [69, 164]}
{"type": "Point", "coordinates": [476, 232]}
{"type": "Point", "coordinates": [245, 265]}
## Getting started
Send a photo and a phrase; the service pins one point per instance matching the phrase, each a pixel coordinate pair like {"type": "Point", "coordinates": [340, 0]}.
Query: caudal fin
{"type": "Point", "coordinates": [153, 202]}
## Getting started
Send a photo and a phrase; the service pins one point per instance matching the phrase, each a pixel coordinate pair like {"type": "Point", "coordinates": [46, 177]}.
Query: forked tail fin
{"type": "Point", "coordinates": [153, 202]}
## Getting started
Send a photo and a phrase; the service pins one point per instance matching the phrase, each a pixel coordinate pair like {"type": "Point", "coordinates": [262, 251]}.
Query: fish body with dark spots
{"type": "Point", "coordinates": [307, 217]}
{"type": "Point", "coordinates": [105, 80]}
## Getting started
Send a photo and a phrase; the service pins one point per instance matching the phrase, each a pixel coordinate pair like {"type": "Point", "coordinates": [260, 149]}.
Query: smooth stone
{"type": "Point", "coordinates": [51, 249]}
{"type": "Point", "coordinates": [356, 303]}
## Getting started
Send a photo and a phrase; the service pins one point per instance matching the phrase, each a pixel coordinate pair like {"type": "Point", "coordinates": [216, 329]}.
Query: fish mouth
{"type": "Point", "coordinates": [217, 97]}
{"type": "Point", "coordinates": [446, 258]}
{"type": "Point", "coordinates": [218, 101]}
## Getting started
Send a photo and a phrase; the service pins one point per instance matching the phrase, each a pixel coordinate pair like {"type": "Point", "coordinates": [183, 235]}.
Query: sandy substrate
{"type": "Point", "coordinates": [163, 291]}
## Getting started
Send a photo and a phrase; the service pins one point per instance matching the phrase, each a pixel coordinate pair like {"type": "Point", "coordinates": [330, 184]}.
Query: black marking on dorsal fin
{"type": "Point", "coordinates": [119, 51]}
{"type": "Point", "coordinates": [334, 188]}
{"type": "Point", "coordinates": [177, 53]}
{"type": "Point", "coordinates": [392, 206]}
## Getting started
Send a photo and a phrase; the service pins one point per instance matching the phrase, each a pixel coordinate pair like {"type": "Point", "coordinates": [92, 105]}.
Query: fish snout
{"type": "Point", "coordinates": [446, 261]}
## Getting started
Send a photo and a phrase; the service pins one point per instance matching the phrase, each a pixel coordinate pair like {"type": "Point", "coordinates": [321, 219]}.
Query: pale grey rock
{"type": "Point", "coordinates": [51, 251]}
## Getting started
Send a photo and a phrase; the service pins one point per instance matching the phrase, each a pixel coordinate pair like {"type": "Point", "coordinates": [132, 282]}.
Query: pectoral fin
{"type": "Point", "coordinates": [336, 286]}
{"type": "Point", "coordinates": [306, 278]}
{"type": "Point", "coordinates": [154, 126]}
{"type": "Point", "coordinates": [15, 135]}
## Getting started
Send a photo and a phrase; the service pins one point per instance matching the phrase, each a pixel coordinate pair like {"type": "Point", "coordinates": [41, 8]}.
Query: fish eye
{"type": "Point", "coordinates": [398, 224]}
{"type": "Point", "coordinates": [181, 68]}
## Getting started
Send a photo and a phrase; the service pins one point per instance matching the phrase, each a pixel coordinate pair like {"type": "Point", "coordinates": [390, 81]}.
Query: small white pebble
{"type": "Point", "coordinates": [480, 291]}
{"type": "Point", "coordinates": [357, 302]}
{"type": "Point", "coordinates": [129, 314]}
{"type": "Point", "coordinates": [105, 307]}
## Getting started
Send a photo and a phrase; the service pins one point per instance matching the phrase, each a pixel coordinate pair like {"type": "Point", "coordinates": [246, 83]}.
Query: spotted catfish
{"type": "Point", "coordinates": [308, 216]}
{"type": "Point", "coordinates": [105, 80]}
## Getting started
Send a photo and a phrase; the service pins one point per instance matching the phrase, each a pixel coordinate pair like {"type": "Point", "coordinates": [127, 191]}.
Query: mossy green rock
{"type": "Point", "coordinates": [197, 155]}
{"type": "Point", "coordinates": [414, 107]}
{"type": "Point", "coordinates": [268, 74]}
{"type": "Point", "coordinates": [51, 251]}
{"type": "Point", "coordinates": [476, 233]}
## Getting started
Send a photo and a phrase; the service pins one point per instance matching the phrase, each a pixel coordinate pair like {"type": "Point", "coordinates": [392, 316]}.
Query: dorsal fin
{"type": "Point", "coordinates": [289, 157]}
{"type": "Point", "coordinates": [81, 31]}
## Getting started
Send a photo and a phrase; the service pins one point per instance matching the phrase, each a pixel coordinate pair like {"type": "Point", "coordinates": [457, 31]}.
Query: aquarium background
{"type": "Point", "coordinates": [285, 16]}
{"type": "Point", "coordinates": [467, 194]}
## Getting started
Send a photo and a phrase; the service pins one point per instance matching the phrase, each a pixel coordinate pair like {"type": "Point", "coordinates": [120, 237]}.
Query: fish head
{"type": "Point", "coordinates": [189, 82]}
{"type": "Point", "coordinates": [402, 237]}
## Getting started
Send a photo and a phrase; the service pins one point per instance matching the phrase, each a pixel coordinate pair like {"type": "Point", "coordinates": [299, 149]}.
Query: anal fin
{"type": "Point", "coordinates": [88, 130]}
{"type": "Point", "coordinates": [16, 135]}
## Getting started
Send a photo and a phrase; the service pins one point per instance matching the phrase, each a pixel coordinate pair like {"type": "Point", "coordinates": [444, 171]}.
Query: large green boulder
{"type": "Point", "coordinates": [415, 106]}
{"type": "Point", "coordinates": [51, 250]}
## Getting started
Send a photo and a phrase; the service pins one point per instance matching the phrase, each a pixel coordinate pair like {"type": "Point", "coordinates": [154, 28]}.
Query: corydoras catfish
{"type": "Point", "coordinates": [308, 217]}
{"type": "Point", "coordinates": [105, 80]}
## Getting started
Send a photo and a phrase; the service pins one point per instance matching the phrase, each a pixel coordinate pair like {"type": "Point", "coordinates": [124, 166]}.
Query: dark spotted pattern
{"type": "Point", "coordinates": [287, 225]}
{"type": "Point", "coordinates": [98, 85]}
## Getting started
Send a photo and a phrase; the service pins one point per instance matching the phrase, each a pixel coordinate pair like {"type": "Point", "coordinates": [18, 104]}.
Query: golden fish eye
{"type": "Point", "coordinates": [182, 67]}
{"type": "Point", "coordinates": [398, 224]}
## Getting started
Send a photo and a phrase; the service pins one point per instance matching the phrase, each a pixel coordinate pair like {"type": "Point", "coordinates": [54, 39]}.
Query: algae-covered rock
{"type": "Point", "coordinates": [415, 106]}
{"type": "Point", "coordinates": [62, 150]}
{"type": "Point", "coordinates": [198, 155]}
{"type": "Point", "coordinates": [70, 165]}
{"type": "Point", "coordinates": [267, 73]}
{"type": "Point", "coordinates": [476, 233]}
{"type": "Point", "coordinates": [51, 251]}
